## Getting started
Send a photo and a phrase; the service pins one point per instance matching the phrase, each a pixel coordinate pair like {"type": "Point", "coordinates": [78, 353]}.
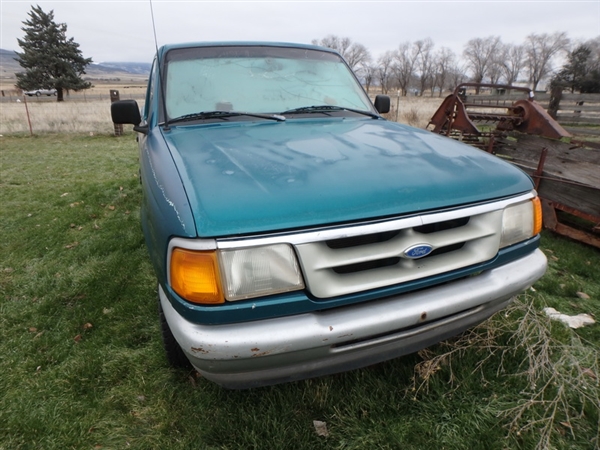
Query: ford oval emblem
{"type": "Point", "coordinates": [418, 251]}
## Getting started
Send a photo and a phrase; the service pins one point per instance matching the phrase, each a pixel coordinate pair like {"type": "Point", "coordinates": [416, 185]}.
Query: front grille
{"type": "Point", "coordinates": [361, 240]}
{"type": "Point", "coordinates": [367, 261]}
{"type": "Point", "coordinates": [441, 226]}
{"type": "Point", "coordinates": [367, 265]}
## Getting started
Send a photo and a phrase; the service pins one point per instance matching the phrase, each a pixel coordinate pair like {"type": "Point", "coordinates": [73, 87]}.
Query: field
{"type": "Point", "coordinates": [89, 112]}
{"type": "Point", "coordinates": [81, 112]}
{"type": "Point", "coordinates": [80, 350]}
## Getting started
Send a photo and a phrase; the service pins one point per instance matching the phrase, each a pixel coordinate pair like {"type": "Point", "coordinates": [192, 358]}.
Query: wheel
{"type": "Point", "coordinates": [37, 94]}
{"type": "Point", "coordinates": [175, 355]}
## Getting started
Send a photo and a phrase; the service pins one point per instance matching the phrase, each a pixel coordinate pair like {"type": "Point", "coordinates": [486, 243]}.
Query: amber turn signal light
{"type": "Point", "coordinates": [537, 215]}
{"type": "Point", "coordinates": [195, 276]}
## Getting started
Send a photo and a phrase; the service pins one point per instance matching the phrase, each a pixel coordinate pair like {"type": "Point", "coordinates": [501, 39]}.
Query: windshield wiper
{"type": "Point", "coordinates": [223, 115]}
{"type": "Point", "coordinates": [326, 109]}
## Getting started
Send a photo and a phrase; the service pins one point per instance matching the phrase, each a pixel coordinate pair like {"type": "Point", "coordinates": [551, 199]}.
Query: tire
{"type": "Point", "coordinates": [37, 94]}
{"type": "Point", "coordinates": [175, 355]}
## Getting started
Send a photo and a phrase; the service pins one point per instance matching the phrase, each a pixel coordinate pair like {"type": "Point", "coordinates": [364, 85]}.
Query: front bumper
{"type": "Point", "coordinates": [263, 352]}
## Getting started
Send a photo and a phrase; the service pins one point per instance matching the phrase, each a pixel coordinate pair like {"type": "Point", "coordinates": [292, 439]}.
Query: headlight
{"type": "Point", "coordinates": [521, 221]}
{"type": "Point", "coordinates": [210, 277]}
{"type": "Point", "coordinates": [258, 271]}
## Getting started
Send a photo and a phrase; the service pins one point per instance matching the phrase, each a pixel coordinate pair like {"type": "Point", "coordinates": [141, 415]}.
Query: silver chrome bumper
{"type": "Point", "coordinates": [251, 354]}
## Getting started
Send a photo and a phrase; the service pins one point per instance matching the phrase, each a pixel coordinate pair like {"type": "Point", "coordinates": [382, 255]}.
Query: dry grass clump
{"type": "Point", "coordinates": [560, 372]}
{"type": "Point", "coordinates": [412, 117]}
{"type": "Point", "coordinates": [414, 111]}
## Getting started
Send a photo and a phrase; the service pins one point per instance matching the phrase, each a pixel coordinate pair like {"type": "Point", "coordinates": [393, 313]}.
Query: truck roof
{"type": "Point", "coordinates": [168, 47]}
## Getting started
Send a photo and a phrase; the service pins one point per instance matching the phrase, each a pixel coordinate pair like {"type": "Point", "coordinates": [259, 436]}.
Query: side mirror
{"type": "Point", "coordinates": [127, 111]}
{"type": "Point", "coordinates": [382, 104]}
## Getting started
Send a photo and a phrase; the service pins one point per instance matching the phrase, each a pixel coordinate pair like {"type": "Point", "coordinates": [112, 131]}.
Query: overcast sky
{"type": "Point", "coordinates": [122, 30]}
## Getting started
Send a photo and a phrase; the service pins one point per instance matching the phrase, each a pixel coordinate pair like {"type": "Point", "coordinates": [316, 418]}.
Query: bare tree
{"type": "Point", "coordinates": [354, 53]}
{"type": "Point", "coordinates": [513, 57]}
{"type": "Point", "coordinates": [357, 55]}
{"type": "Point", "coordinates": [384, 70]}
{"type": "Point", "coordinates": [368, 72]}
{"type": "Point", "coordinates": [404, 65]}
{"type": "Point", "coordinates": [334, 42]}
{"type": "Point", "coordinates": [445, 58]}
{"type": "Point", "coordinates": [424, 63]}
{"type": "Point", "coordinates": [495, 71]}
{"type": "Point", "coordinates": [456, 75]}
{"type": "Point", "coordinates": [540, 50]}
{"type": "Point", "coordinates": [479, 54]}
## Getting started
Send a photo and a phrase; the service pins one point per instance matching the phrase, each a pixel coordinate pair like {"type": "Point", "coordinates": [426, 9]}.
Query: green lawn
{"type": "Point", "coordinates": [82, 364]}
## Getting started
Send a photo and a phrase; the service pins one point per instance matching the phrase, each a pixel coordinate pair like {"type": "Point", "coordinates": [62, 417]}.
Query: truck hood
{"type": "Point", "coordinates": [252, 177]}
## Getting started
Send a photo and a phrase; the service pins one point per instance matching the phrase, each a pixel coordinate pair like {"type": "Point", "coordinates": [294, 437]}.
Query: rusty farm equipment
{"type": "Point", "coordinates": [566, 172]}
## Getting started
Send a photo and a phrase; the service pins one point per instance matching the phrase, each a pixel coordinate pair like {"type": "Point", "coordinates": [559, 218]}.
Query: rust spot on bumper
{"type": "Point", "coordinates": [199, 350]}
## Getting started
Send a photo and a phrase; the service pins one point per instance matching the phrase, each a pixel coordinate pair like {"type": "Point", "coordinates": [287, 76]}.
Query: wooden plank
{"type": "Point", "coordinates": [583, 131]}
{"type": "Point", "coordinates": [570, 118]}
{"type": "Point", "coordinates": [570, 111]}
{"type": "Point", "coordinates": [563, 167]}
{"type": "Point", "coordinates": [551, 222]}
{"type": "Point", "coordinates": [595, 98]}
{"type": "Point", "coordinates": [497, 98]}
{"type": "Point", "coordinates": [567, 106]}
{"type": "Point", "coordinates": [571, 176]}
{"type": "Point", "coordinates": [560, 154]}
{"type": "Point", "coordinates": [579, 235]}
{"type": "Point", "coordinates": [582, 198]}
{"type": "Point", "coordinates": [538, 97]}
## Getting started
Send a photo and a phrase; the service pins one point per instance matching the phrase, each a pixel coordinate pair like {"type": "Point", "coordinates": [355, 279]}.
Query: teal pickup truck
{"type": "Point", "coordinates": [296, 233]}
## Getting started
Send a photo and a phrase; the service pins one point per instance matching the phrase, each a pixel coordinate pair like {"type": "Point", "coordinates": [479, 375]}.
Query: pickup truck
{"type": "Point", "coordinates": [297, 233]}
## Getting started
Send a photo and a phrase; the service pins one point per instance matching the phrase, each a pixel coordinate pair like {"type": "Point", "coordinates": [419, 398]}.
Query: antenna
{"type": "Point", "coordinates": [154, 27]}
{"type": "Point", "coordinates": [160, 78]}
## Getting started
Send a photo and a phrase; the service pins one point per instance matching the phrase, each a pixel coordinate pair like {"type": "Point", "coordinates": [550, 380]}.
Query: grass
{"type": "Point", "coordinates": [81, 362]}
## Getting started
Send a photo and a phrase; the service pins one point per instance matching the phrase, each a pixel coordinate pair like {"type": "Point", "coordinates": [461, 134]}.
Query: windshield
{"type": "Point", "coordinates": [257, 80]}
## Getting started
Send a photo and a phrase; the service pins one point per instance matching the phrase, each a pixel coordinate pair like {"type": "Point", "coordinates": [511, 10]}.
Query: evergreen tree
{"type": "Point", "coordinates": [50, 59]}
{"type": "Point", "coordinates": [581, 72]}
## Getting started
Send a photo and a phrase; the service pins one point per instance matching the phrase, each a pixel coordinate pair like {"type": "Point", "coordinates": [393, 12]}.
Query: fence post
{"type": "Point", "coordinates": [554, 104]}
{"type": "Point", "coordinates": [28, 117]}
{"type": "Point", "coordinates": [114, 96]}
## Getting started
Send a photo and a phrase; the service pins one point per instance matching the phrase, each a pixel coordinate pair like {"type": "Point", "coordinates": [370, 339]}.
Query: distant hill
{"type": "Point", "coordinates": [126, 67]}
{"type": "Point", "coordinates": [9, 66]}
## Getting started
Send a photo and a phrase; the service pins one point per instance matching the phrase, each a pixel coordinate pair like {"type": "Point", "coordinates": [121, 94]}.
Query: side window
{"type": "Point", "coordinates": [149, 92]}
